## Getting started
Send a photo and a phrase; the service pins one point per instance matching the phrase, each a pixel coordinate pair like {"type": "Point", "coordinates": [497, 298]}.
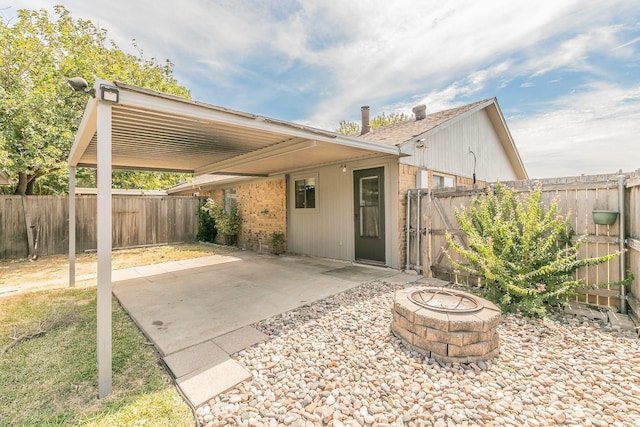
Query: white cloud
{"type": "Point", "coordinates": [396, 52]}
{"type": "Point", "coordinates": [594, 131]}
{"type": "Point", "coordinates": [394, 55]}
{"type": "Point", "coordinates": [573, 54]}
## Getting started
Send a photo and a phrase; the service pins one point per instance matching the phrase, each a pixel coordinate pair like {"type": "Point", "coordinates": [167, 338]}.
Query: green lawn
{"type": "Point", "coordinates": [51, 378]}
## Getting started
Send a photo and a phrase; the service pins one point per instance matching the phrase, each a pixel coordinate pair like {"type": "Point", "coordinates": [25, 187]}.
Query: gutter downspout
{"type": "Point", "coordinates": [407, 265]}
{"type": "Point", "coordinates": [418, 267]}
{"type": "Point", "coordinates": [622, 241]}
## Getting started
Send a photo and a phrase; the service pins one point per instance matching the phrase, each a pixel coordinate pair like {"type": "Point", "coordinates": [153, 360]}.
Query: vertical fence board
{"type": "Point", "coordinates": [633, 232]}
{"type": "Point", "coordinates": [13, 237]}
{"type": "Point", "coordinates": [137, 221]}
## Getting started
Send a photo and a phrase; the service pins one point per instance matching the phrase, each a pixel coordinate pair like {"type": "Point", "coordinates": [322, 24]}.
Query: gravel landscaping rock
{"type": "Point", "coordinates": [336, 363]}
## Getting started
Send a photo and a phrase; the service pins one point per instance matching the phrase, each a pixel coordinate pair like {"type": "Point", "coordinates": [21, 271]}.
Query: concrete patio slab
{"type": "Point", "coordinates": [357, 273]}
{"type": "Point", "coordinates": [198, 312]}
{"type": "Point", "coordinates": [196, 358]}
{"type": "Point", "coordinates": [233, 342]}
{"type": "Point", "coordinates": [222, 294]}
{"type": "Point", "coordinates": [202, 386]}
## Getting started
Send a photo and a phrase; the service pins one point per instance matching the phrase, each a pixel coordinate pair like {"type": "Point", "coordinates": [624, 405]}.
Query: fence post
{"type": "Point", "coordinates": [426, 263]}
{"type": "Point", "coordinates": [408, 232]}
{"type": "Point", "coordinates": [622, 240]}
{"type": "Point", "coordinates": [418, 267]}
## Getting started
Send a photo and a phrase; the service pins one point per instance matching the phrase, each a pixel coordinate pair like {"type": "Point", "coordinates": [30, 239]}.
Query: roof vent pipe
{"type": "Point", "coordinates": [420, 111]}
{"type": "Point", "coordinates": [366, 127]}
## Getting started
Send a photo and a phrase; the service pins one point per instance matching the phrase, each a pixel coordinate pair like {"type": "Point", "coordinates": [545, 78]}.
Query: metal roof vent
{"type": "Point", "coordinates": [420, 111]}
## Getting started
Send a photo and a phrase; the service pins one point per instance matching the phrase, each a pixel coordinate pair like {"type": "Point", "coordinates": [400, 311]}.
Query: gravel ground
{"type": "Point", "coordinates": [336, 363]}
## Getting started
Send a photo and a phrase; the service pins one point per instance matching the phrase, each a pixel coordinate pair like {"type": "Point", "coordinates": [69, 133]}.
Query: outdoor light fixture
{"type": "Point", "coordinates": [475, 160]}
{"type": "Point", "coordinates": [420, 143]}
{"type": "Point", "coordinates": [78, 84]}
{"type": "Point", "coordinates": [109, 93]}
{"type": "Point", "coordinates": [343, 167]}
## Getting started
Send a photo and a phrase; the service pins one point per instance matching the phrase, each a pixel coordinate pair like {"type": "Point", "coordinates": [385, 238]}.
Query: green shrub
{"type": "Point", "coordinates": [277, 242]}
{"type": "Point", "coordinates": [226, 223]}
{"type": "Point", "coordinates": [521, 249]}
{"type": "Point", "coordinates": [206, 225]}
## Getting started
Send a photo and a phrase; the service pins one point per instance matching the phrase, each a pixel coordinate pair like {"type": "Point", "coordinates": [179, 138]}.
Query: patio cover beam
{"type": "Point", "coordinates": [72, 226]}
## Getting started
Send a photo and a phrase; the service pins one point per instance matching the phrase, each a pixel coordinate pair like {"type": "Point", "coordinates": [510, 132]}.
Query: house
{"type": "Point", "coordinates": [355, 209]}
{"type": "Point", "coordinates": [333, 195]}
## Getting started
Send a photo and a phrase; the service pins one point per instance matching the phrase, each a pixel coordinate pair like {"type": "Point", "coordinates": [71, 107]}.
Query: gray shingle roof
{"type": "Point", "coordinates": [397, 133]}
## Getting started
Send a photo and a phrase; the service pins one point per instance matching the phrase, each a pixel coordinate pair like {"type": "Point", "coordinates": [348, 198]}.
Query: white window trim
{"type": "Point", "coordinates": [443, 175]}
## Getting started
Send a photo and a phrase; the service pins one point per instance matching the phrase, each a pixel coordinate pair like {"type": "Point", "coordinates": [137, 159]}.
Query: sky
{"type": "Point", "coordinates": [566, 73]}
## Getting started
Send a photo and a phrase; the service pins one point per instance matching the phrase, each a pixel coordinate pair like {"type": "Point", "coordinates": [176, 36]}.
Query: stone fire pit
{"type": "Point", "coordinates": [446, 324]}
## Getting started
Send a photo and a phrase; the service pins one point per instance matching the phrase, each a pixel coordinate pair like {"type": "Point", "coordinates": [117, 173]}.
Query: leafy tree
{"type": "Point", "coordinates": [522, 250]}
{"type": "Point", "coordinates": [347, 127]}
{"type": "Point", "coordinates": [39, 114]}
{"type": "Point", "coordinates": [127, 179]}
{"type": "Point", "coordinates": [147, 180]}
{"type": "Point", "coordinates": [389, 119]}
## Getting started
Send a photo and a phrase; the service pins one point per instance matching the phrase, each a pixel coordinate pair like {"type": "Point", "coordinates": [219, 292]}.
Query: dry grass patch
{"type": "Point", "coordinates": [56, 267]}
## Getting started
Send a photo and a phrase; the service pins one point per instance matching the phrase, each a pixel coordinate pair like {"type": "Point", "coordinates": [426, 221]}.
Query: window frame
{"type": "Point", "coordinates": [444, 176]}
{"type": "Point", "coordinates": [229, 198]}
{"type": "Point", "coordinates": [305, 177]}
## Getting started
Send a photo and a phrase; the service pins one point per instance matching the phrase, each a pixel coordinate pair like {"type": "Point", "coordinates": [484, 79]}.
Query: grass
{"type": "Point", "coordinates": [56, 267]}
{"type": "Point", "coordinates": [50, 379]}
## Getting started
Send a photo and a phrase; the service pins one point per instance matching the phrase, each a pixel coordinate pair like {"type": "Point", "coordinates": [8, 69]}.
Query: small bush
{"type": "Point", "coordinates": [206, 225]}
{"type": "Point", "coordinates": [277, 242]}
{"type": "Point", "coordinates": [226, 223]}
{"type": "Point", "coordinates": [521, 249]}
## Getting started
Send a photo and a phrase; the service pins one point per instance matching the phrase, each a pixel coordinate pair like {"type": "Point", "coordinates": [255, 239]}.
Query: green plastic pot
{"type": "Point", "coordinates": [604, 217]}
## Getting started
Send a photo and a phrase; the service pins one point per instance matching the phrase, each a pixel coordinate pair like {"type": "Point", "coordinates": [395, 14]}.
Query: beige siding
{"type": "Point", "coordinates": [447, 150]}
{"type": "Point", "coordinates": [328, 230]}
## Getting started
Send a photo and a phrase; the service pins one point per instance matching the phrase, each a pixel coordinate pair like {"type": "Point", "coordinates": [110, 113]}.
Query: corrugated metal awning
{"type": "Point", "coordinates": [154, 131]}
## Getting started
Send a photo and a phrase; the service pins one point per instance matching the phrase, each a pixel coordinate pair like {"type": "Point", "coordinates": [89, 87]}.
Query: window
{"type": "Point", "coordinates": [440, 181]}
{"type": "Point", "coordinates": [370, 206]}
{"type": "Point", "coordinates": [229, 198]}
{"type": "Point", "coordinates": [305, 193]}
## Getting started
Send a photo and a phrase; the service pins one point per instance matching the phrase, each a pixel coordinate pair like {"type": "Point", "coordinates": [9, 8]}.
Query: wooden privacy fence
{"type": "Point", "coordinates": [578, 197]}
{"type": "Point", "coordinates": [137, 221]}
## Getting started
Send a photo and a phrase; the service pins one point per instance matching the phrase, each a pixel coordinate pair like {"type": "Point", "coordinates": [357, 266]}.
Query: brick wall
{"type": "Point", "coordinates": [406, 181]}
{"type": "Point", "coordinates": [462, 180]}
{"type": "Point", "coordinates": [262, 208]}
